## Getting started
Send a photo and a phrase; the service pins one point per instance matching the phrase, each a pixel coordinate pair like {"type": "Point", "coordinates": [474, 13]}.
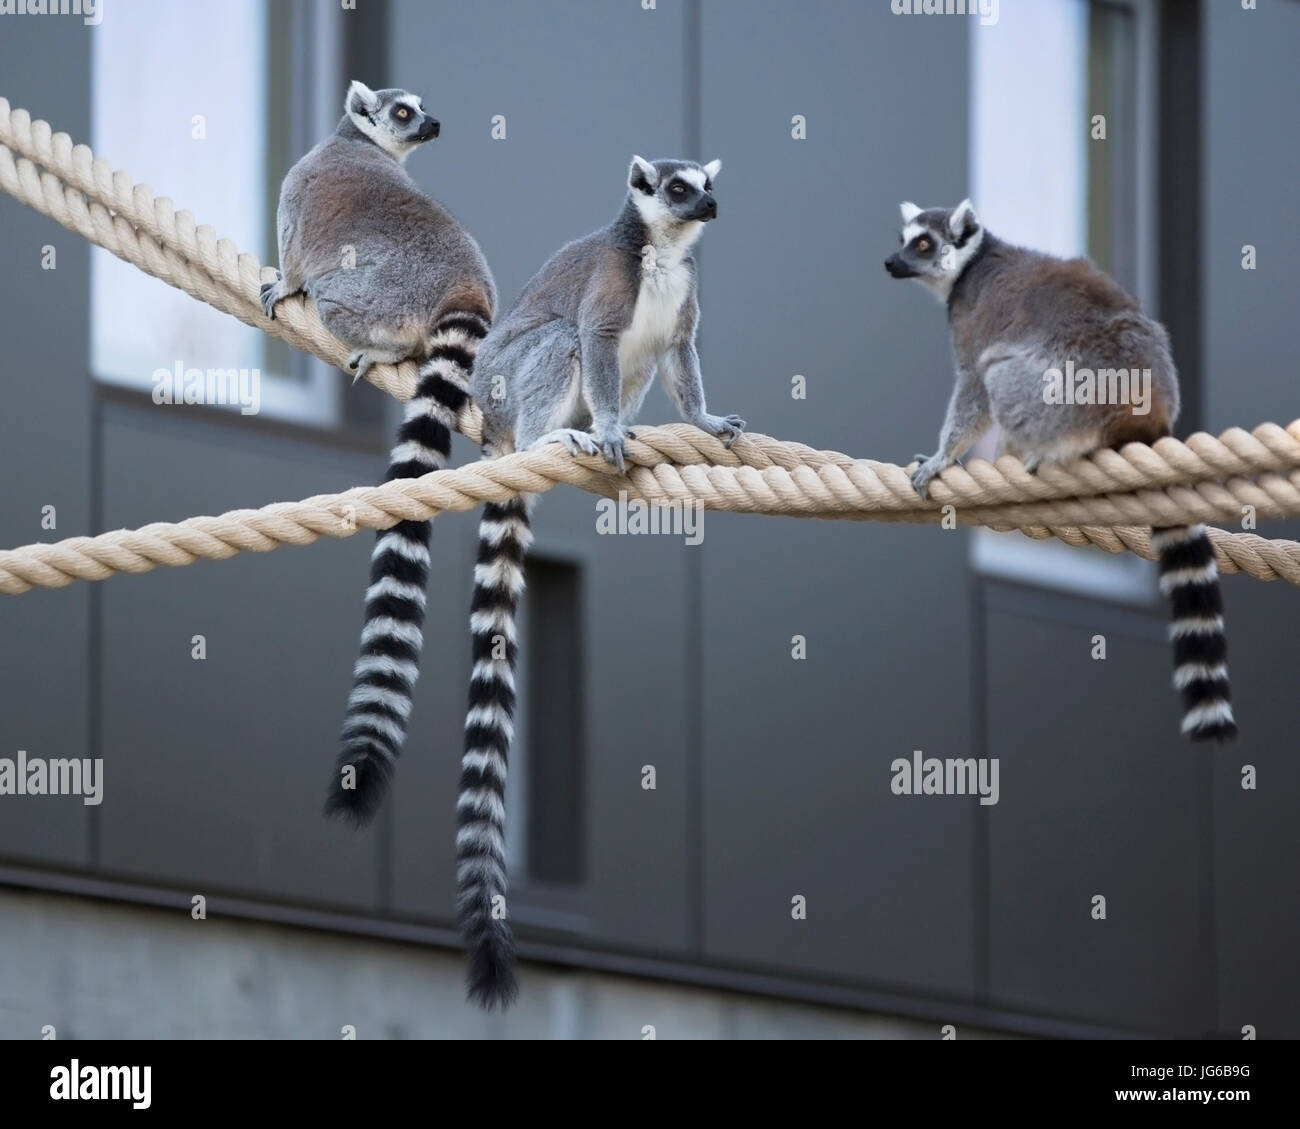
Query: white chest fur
{"type": "Point", "coordinates": [665, 286]}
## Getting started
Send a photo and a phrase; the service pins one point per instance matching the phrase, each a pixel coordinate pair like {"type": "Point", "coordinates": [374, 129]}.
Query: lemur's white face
{"type": "Point", "coordinates": [935, 246]}
{"type": "Point", "coordinates": [674, 198]}
{"type": "Point", "coordinates": [395, 120]}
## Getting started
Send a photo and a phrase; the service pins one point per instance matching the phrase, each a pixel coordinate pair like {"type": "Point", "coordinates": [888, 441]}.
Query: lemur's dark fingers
{"type": "Point", "coordinates": [613, 454]}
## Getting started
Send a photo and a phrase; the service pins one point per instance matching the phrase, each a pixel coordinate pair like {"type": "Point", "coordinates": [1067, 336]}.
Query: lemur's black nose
{"type": "Point", "coordinates": [431, 128]}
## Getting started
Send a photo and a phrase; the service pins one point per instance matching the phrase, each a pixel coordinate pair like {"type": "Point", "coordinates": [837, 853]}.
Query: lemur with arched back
{"type": "Point", "coordinates": [394, 276]}
{"type": "Point", "coordinates": [1020, 320]}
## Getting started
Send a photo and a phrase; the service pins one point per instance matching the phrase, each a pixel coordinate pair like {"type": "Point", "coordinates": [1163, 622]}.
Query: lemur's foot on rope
{"type": "Point", "coordinates": [726, 428]}
{"type": "Point", "coordinates": [575, 441]}
{"type": "Point", "coordinates": [363, 360]}
{"type": "Point", "coordinates": [931, 466]}
{"type": "Point", "coordinates": [272, 293]}
{"type": "Point", "coordinates": [613, 441]}
{"type": "Point", "coordinates": [359, 363]}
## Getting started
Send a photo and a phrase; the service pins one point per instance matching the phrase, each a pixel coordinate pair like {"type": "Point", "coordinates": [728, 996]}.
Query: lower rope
{"type": "Point", "coordinates": [831, 490]}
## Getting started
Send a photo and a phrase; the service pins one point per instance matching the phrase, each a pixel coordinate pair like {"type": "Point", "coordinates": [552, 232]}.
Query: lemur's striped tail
{"type": "Point", "coordinates": [1190, 578]}
{"type": "Point", "coordinates": [385, 673]}
{"type": "Point", "coordinates": [504, 537]}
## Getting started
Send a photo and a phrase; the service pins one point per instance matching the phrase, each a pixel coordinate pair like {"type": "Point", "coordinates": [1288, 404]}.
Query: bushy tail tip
{"type": "Point", "coordinates": [370, 773]}
{"type": "Point", "coordinates": [1189, 577]}
{"type": "Point", "coordinates": [490, 976]}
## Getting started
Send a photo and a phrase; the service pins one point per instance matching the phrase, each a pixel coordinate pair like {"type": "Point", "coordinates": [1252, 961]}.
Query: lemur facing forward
{"type": "Point", "coordinates": [1019, 321]}
{"type": "Point", "coordinates": [393, 276]}
{"type": "Point", "coordinates": [571, 363]}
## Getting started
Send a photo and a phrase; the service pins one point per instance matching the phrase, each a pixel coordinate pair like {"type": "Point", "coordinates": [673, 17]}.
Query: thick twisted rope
{"type": "Point", "coordinates": [464, 488]}
{"type": "Point", "coordinates": [1105, 500]}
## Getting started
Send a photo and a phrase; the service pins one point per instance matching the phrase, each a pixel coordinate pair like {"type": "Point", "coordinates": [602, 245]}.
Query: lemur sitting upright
{"type": "Point", "coordinates": [1022, 323]}
{"type": "Point", "coordinates": [393, 276]}
{"type": "Point", "coordinates": [577, 351]}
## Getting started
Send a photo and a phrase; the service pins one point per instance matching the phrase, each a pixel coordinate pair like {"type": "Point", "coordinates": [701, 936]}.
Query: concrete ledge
{"type": "Point", "coordinates": [98, 969]}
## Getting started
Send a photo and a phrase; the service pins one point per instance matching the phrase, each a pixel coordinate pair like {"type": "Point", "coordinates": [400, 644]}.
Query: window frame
{"type": "Point", "coordinates": [307, 56]}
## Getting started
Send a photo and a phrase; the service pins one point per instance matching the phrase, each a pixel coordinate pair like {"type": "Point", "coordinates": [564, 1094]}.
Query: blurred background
{"type": "Point", "coordinates": [667, 909]}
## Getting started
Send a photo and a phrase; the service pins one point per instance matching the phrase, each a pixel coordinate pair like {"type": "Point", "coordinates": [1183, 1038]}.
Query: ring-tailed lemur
{"type": "Point", "coordinates": [577, 351]}
{"type": "Point", "coordinates": [1025, 324]}
{"type": "Point", "coordinates": [393, 276]}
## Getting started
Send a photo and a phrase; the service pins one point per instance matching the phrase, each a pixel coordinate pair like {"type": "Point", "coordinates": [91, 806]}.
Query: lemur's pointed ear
{"type": "Point", "coordinates": [963, 222]}
{"type": "Point", "coordinates": [642, 176]}
{"type": "Point", "coordinates": [361, 99]}
{"type": "Point", "coordinates": [909, 211]}
{"type": "Point", "coordinates": [713, 168]}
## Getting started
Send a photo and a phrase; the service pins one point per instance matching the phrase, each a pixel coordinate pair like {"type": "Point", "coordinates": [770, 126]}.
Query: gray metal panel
{"type": "Point", "coordinates": [1256, 888]}
{"type": "Point", "coordinates": [217, 768]}
{"type": "Point", "coordinates": [45, 453]}
{"type": "Point", "coordinates": [1100, 796]}
{"type": "Point", "coordinates": [1252, 169]}
{"type": "Point", "coordinates": [637, 637]}
{"type": "Point", "coordinates": [1252, 165]}
{"type": "Point", "coordinates": [575, 113]}
{"type": "Point", "coordinates": [796, 796]}
{"type": "Point", "coordinates": [555, 719]}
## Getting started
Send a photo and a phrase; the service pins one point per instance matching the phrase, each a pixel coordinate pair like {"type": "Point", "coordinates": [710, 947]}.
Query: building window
{"type": "Point", "coordinates": [219, 149]}
{"type": "Point", "coordinates": [545, 804]}
{"type": "Point", "coordinates": [1062, 126]}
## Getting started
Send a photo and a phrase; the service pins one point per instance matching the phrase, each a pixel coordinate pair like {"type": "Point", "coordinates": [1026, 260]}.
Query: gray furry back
{"type": "Point", "coordinates": [395, 277]}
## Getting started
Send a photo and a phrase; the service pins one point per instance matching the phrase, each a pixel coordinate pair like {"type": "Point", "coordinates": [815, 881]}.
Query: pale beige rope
{"type": "Point", "coordinates": [758, 474]}
{"type": "Point", "coordinates": [746, 489]}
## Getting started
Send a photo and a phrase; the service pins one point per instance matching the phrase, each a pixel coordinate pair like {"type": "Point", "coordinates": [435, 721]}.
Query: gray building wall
{"type": "Point", "coordinates": [795, 795]}
{"type": "Point", "coordinates": [1251, 157]}
{"type": "Point", "coordinates": [772, 774]}
{"type": "Point", "coordinates": [47, 460]}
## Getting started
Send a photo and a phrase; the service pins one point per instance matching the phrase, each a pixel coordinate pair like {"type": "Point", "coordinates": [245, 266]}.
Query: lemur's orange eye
{"type": "Point", "coordinates": [922, 244]}
{"type": "Point", "coordinates": [403, 113]}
